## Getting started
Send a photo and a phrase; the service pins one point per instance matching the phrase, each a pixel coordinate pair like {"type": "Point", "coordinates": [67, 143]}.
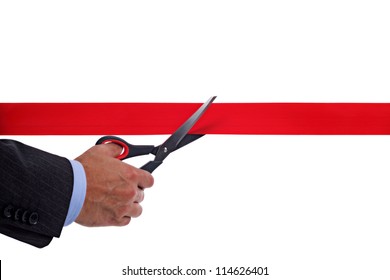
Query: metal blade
{"type": "Point", "coordinates": [174, 140]}
{"type": "Point", "coordinates": [189, 138]}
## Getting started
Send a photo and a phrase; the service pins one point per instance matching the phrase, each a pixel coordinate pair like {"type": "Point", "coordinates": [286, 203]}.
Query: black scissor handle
{"type": "Point", "coordinates": [151, 165]}
{"type": "Point", "coordinates": [128, 150]}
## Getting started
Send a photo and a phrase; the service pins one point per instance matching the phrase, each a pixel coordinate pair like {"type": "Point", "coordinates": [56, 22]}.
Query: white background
{"type": "Point", "coordinates": [307, 207]}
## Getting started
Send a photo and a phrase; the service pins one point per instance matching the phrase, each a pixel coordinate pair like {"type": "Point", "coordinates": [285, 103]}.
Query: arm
{"type": "Point", "coordinates": [35, 191]}
{"type": "Point", "coordinates": [38, 184]}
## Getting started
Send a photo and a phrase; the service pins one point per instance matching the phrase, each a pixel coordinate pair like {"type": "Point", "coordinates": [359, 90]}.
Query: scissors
{"type": "Point", "coordinates": [178, 139]}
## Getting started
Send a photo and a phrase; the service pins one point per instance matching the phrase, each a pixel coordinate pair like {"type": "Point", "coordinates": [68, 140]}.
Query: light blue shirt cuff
{"type": "Point", "coordinates": [79, 192]}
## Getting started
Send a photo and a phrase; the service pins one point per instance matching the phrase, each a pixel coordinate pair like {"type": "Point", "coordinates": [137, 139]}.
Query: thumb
{"type": "Point", "coordinates": [110, 149]}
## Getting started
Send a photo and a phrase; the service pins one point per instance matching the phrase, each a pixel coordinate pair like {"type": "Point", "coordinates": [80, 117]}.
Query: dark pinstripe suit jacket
{"type": "Point", "coordinates": [35, 192]}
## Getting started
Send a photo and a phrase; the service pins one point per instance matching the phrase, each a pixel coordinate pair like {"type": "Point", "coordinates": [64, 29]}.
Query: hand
{"type": "Point", "coordinates": [114, 188]}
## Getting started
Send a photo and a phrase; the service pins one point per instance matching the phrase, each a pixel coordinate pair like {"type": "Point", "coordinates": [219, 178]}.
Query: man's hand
{"type": "Point", "coordinates": [114, 188]}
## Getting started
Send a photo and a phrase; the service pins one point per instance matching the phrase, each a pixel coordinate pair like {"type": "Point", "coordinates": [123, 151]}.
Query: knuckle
{"type": "Point", "coordinates": [146, 179]}
{"type": "Point", "coordinates": [137, 211]}
{"type": "Point", "coordinates": [131, 193]}
{"type": "Point", "coordinates": [129, 172]}
{"type": "Point", "coordinates": [140, 211]}
{"type": "Point", "coordinates": [125, 221]}
{"type": "Point", "coordinates": [120, 212]}
{"type": "Point", "coordinates": [151, 180]}
{"type": "Point", "coordinates": [141, 196]}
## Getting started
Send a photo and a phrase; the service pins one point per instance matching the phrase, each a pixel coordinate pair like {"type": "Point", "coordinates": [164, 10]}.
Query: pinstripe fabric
{"type": "Point", "coordinates": [34, 181]}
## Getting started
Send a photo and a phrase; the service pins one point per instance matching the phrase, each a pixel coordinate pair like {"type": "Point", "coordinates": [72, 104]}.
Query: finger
{"type": "Point", "coordinates": [141, 178]}
{"type": "Point", "coordinates": [125, 194]}
{"type": "Point", "coordinates": [132, 211]}
{"type": "Point", "coordinates": [139, 196]}
{"type": "Point", "coordinates": [145, 179]}
{"type": "Point", "coordinates": [124, 221]}
{"type": "Point", "coordinates": [124, 213]}
{"type": "Point", "coordinates": [136, 210]}
{"type": "Point", "coordinates": [110, 149]}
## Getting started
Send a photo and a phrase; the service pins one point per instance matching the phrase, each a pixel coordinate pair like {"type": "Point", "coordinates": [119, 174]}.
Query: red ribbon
{"type": "Point", "coordinates": [220, 118]}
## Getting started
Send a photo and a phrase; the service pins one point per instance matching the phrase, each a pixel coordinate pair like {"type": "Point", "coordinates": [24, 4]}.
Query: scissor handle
{"type": "Point", "coordinates": [151, 165]}
{"type": "Point", "coordinates": [116, 140]}
{"type": "Point", "coordinates": [128, 150]}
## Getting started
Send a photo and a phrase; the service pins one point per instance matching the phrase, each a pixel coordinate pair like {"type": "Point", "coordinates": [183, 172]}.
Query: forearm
{"type": "Point", "coordinates": [33, 181]}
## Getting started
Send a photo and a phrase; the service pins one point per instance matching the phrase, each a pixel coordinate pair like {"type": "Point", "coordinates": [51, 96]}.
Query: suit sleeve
{"type": "Point", "coordinates": [35, 192]}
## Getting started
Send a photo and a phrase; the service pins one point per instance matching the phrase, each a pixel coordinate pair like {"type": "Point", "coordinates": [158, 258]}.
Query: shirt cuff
{"type": "Point", "coordinates": [78, 194]}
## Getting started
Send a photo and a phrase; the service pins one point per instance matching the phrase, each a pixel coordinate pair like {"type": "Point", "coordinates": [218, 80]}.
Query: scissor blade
{"type": "Point", "coordinates": [189, 138]}
{"type": "Point", "coordinates": [174, 140]}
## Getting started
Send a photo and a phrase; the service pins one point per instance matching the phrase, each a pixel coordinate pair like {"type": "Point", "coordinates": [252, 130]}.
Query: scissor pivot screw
{"type": "Point", "coordinates": [165, 150]}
